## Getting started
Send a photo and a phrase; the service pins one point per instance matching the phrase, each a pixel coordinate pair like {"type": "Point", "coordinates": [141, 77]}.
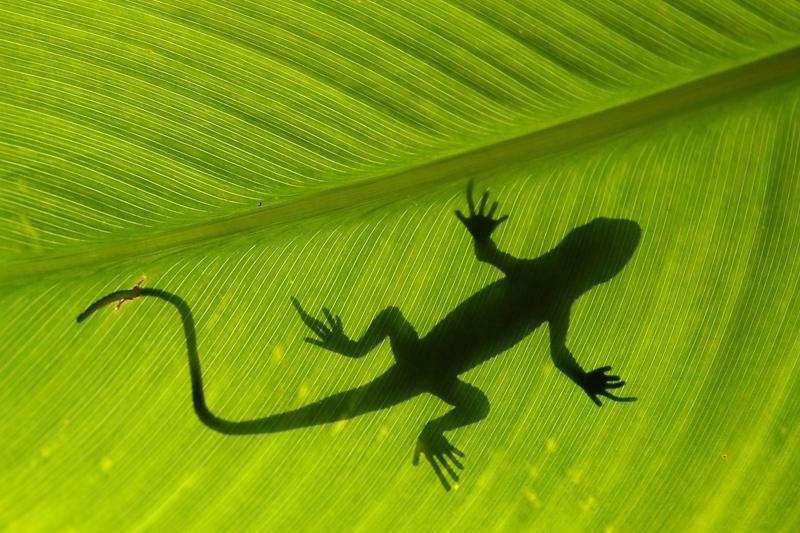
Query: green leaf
{"type": "Point", "coordinates": [240, 154]}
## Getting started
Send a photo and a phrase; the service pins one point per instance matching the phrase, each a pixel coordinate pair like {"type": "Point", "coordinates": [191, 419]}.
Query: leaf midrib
{"type": "Point", "coordinates": [715, 88]}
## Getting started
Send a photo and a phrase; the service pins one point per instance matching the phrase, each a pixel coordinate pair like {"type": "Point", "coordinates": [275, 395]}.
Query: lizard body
{"type": "Point", "coordinates": [498, 316]}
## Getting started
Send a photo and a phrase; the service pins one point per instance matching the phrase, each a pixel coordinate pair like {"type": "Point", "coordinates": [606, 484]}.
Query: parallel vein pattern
{"type": "Point", "coordinates": [126, 119]}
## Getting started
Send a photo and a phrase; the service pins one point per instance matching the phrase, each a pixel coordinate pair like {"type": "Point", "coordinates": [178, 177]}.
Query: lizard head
{"type": "Point", "coordinates": [597, 251]}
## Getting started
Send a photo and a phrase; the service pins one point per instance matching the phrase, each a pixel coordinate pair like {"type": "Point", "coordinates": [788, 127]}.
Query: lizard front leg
{"type": "Point", "coordinates": [595, 382]}
{"type": "Point", "coordinates": [481, 224]}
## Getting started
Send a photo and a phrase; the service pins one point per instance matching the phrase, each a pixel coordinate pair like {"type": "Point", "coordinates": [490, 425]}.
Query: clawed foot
{"type": "Point", "coordinates": [597, 383]}
{"type": "Point", "coordinates": [331, 335]}
{"type": "Point", "coordinates": [480, 225]}
{"type": "Point", "coordinates": [439, 453]}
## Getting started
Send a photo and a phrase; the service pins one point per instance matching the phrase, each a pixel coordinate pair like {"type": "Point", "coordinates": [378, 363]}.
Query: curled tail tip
{"type": "Point", "coordinates": [84, 315]}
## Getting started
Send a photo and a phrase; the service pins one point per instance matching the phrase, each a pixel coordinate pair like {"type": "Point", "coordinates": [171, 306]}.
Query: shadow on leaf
{"type": "Point", "coordinates": [532, 292]}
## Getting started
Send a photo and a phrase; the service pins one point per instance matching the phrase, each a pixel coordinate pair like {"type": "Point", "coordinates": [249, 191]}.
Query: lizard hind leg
{"type": "Point", "coordinates": [470, 405]}
{"type": "Point", "coordinates": [390, 323]}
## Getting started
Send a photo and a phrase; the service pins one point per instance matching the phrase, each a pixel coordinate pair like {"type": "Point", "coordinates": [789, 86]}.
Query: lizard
{"type": "Point", "coordinates": [489, 322]}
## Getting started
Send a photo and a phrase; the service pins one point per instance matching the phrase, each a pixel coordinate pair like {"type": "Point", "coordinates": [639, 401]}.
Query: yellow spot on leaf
{"type": "Point", "coordinates": [339, 426]}
{"type": "Point", "coordinates": [532, 497]}
{"type": "Point", "coordinates": [575, 475]}
{"type": "Point", "coordinates": [551, 444]}
{"type": "Point", "coordinates": [383, 432]}
{"type": "Point", "coordinates": [277, 354]}
{"type": "Point", "coordinates": [213, 319]}
{"type": "Point", "coordinates": [588, 504]}
{"type": "Point", "coordinates": [31, 232]}
{"type": "Point", "coordinates": [303, 392]}
{"type": "Point", "coordinates": [106, 463]}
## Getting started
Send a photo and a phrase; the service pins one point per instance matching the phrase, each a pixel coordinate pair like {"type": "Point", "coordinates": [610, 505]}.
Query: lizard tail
{"type": "Point", "coordinates": [391, 388]}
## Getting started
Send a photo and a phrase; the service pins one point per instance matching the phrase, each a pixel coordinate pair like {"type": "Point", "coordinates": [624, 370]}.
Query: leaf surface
{"type": "Point", "coordinates": [239, 154]}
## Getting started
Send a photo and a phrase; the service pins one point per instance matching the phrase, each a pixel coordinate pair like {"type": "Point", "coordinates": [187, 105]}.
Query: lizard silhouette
{"type": "Point", "coordinates": [498, 316]}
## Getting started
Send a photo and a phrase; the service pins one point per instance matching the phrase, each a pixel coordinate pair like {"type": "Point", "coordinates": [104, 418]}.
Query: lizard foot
{"type": "Point", "coordinates": [440, 454]}
{"type": "Point", "coordinates": [598, 383]}
{"type": "Point", "coordinates": [480, 223]}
